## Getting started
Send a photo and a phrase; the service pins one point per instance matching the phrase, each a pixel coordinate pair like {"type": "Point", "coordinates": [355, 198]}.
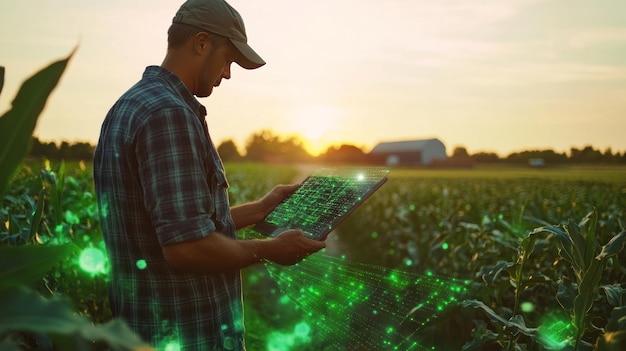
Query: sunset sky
{"type": "Point", "coordinates": [490, 75]}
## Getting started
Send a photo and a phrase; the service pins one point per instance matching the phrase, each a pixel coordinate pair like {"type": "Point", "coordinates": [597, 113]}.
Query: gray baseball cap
{"type": "Point", "coordinates": [217, 16]}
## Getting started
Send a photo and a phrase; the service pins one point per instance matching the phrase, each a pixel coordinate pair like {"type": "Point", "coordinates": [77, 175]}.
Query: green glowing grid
{"type": "Point", "coordinates": [325, 198]}
{"type": "Point", "coordinates": [365, 306]}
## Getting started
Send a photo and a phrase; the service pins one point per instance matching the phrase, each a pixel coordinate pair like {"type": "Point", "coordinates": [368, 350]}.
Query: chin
{"type": "Point", "coordinates": [202, 94]}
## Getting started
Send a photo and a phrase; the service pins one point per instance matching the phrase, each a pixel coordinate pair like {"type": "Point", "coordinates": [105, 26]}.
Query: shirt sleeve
{"type": "Point", "coordinates": [171, 151]}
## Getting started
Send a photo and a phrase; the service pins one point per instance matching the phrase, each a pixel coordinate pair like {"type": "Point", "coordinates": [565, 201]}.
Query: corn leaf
{"type": "Point", "coordinates": [586, 294]}
{"type": "Point", "coordinates": [514, 325]}
{"type": "Point", "coordinates": [614, 246]}
{"type": "Point", "coordinates": [17, 124]}
{"type": "Point", "coordinates": [22, 309]}
{"type": "Point", "coordinates": [26, 264]}
{"type": "Point", "coordinates": [589, 250]}
{"type": "Point", "coordinates": [1, 78]}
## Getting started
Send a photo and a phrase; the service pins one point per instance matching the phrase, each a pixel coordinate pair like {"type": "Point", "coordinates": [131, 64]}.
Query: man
{"type": "Point", "coordinates": [162, 192]}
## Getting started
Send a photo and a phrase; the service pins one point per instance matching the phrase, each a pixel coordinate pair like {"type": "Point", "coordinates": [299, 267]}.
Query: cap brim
{"type": "Point", "coordinates": [248, 59]}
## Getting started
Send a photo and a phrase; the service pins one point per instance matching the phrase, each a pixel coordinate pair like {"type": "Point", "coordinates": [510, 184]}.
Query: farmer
{"type": "Point", "coordinates": [162, 193]}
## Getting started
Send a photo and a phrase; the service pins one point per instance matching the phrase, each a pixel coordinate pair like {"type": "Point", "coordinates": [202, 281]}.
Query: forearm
{"type": "Point", "coordinates": [216, 254]}
{"type": "Point", "coordinates": [247, 214]}
{"type": "Point", "coordinates": [252, 212]}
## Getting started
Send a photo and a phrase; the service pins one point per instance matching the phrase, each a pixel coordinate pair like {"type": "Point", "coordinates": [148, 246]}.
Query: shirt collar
{"type": "Point", "coordinates": [178, 85]}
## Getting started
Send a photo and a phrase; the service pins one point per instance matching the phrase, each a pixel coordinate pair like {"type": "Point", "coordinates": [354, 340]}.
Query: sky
{"type": "Point", "coordinates": [489, 75]}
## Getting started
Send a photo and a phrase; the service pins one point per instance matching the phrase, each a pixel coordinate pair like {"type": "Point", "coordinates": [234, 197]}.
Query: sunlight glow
{"type": "Point", "coordinates": [313, 123]}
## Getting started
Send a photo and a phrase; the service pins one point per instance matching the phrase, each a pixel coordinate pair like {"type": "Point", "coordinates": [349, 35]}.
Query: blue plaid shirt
{"type": "Point", "coordinates": [159, 181]}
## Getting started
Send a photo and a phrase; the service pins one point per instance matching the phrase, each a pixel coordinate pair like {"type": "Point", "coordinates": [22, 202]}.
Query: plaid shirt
{"type": "Point", "coordinates": [159, 181]}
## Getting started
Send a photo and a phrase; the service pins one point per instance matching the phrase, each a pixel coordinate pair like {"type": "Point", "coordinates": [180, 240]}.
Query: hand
{"type": "Point", "coordinates": [292, 246]}
{"type": "Point", "coordinates": [275, 196]}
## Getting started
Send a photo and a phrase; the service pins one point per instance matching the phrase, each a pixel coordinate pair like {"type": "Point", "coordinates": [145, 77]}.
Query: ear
{"type": "Point", "coordinates": [201, 43]}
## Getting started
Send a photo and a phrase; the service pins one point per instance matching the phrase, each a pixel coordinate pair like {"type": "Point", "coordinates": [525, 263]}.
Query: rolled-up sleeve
{"type": "Point", "coordinates": [171, 151]}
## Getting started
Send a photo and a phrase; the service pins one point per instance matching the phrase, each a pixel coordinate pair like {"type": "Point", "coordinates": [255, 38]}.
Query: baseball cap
{"type": "Point", "coordinates": [217, 16]}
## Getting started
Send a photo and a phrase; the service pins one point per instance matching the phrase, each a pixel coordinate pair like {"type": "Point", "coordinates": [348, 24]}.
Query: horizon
{"type": "Point", "coordinates": [449, 151]}
{"type": "Point", "coordinates": [480, 74]}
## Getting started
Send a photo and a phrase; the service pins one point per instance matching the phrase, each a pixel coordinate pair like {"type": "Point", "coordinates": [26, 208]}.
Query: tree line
{"type": "Point", "coordinates": [266, 146]}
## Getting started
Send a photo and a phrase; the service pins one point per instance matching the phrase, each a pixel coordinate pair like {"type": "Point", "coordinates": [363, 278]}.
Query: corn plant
{"type": "Point", "coordinates": [578, 247]}
{"type": "Point", "coordinates": [23, 262]}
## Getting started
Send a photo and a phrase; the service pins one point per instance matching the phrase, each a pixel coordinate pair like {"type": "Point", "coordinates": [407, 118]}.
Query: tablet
{"type": "Point", "coordinates": [323, 200]}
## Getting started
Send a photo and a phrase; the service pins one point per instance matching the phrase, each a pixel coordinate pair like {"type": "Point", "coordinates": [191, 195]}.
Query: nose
{"type": "Point", "coordinates": [226, 71]}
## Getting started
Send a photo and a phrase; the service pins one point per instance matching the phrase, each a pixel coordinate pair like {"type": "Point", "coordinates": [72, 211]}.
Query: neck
{"type": "Point", "coordinates": [182, 66]}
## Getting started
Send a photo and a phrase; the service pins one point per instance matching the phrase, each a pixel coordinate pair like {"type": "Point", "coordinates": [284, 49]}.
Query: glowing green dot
{"type": "Point", "coordinates": [412, 207]}
{"type": "Point", "coordinates": [444, 246]}
{"type": "Point", "coordinates": [302, 330]}
{"type": "Point", "coordinates": [229, 343]}
{"type": "Point", "coordinates": [408, 262]}
{"type": "Point", "coordinates": [141, 264]}
{"type": "Point", "coordinates": [71, 218]}
{"type": "Point", "coordinates": [172, 346]}
{"type": "Point", "coordinates": [527, 307]}
{"type": "Point", "coordinates": [429, 273]}
{"type": "Point", "coordinates": [92, 260]}
{"type": "Point", "coordinates": [374, 235]}
{"type": "Point", "coordinates": [284, 299]}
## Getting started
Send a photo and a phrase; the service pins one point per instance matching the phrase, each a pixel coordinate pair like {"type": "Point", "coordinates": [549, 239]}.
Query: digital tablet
{"type": "Point", "coordinates": [323, 200]}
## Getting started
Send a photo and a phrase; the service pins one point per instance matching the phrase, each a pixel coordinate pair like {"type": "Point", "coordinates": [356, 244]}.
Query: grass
{"type": "Point", "coordinates": [596, 173]}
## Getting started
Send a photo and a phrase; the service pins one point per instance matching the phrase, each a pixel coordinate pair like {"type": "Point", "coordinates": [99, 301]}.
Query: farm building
{"type": "Point", "coordinates": [408, 153]}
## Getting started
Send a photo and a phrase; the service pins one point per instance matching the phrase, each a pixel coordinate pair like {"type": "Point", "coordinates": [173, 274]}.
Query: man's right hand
{"type": "Point", "coordinates": [292, 246]}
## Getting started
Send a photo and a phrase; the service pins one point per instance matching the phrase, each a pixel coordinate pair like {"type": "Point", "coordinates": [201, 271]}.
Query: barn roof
{"type": "Point", "coordinates": [407, 145]}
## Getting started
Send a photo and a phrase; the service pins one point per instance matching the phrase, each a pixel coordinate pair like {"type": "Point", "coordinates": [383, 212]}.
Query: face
{"type": "Point", "coordinates": [216, 67]}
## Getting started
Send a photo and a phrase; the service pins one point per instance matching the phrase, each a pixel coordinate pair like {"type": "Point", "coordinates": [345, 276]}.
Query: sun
{"type": "Point", "coordinates": [314, 123]}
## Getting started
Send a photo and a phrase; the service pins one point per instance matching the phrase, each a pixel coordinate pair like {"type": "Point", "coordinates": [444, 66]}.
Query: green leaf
{"type": "Point", "coordinates": [1, 78]}
{"type": "Point", "coordinates": [589, 250]}
{"type": "Point", "coordinates": [36, 219]}
{"type": "Point", "coordinates": [490, 273]}
{"type": "Point", "coordinates": [586, 296]}
{"type": "Point", "coordinates": [566, 246]}
{"type": "Point", "coordinates": [26, 264]}
{"type": "Point", "coordinates": [514, 325]}
{"type": "Point", "coordinates": [566, 294]}
{"type": "Point", "coordinates": [613, 294]}
{"type": "Point", "coordinates": [23, 309]}
{"type": "Point", "coordinates": [489, 338]}
{"type": "Point", "coordinates": [9, 344]}
{"type": "Point", "coordinates": [17, 124]}
{"type": "Point", "coordinates": [617, 321]}
{"type": "Point", "coordinates": [115, 333]}
{"type": "Point", "coordinates": [613, 247]}
{"type": "Point", "coordinates": [578, 245]}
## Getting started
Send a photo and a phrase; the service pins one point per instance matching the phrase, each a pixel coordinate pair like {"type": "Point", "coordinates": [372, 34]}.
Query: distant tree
{"type": "Point", "coordinates": [486, 157]}
{"type": "Point", "coordinates": [228, 151]}
{"type": "Point", "coordinates": [344, 153]}
{"type": "Point", "coordinates": [81, 151]}
{"type": "Point", "coordinates": [587, 155]}
{"type": "Point", "coordinates": [460, 152]}
{"type": "Point", "coordinates": [66, 151]}
{"type": "Point", "coordinates": [43, 150]}
{"type": "Point", "coordinates": [549, 156]}
{"type": "Point", "coordinates": [266, 146]}
{"type": "Point", "coordinates": [609, 157]}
